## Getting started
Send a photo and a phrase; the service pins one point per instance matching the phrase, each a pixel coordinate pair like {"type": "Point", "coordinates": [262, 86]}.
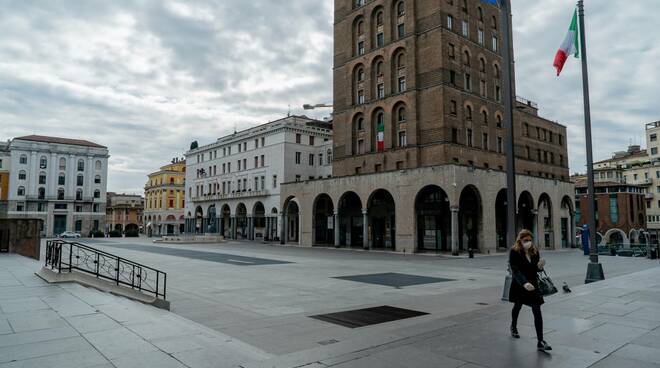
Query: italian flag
{"type": "Point", "coordinates": [381, 136]}
{"type": "Point", "coordinates": [569, 46]}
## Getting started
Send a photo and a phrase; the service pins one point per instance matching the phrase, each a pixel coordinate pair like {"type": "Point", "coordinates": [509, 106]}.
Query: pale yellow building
{"type": "Point", "coordinates": [164, 200]}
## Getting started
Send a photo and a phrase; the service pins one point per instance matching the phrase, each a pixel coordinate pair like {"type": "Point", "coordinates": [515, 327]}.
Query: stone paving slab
{"type": "Point", "coordinates": [69, 325]}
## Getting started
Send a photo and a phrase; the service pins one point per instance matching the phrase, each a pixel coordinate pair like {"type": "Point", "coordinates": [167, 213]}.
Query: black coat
{"type": "Point", "coordinates": [522, 272]}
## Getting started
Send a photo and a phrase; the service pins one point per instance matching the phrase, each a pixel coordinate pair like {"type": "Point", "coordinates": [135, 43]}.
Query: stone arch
{"type": "Point", "coordinates": [567, 214]}
{"type": "Point", "coordinates": [526, 212]}
{"type": "Point", "coordinates": [259, 220]}
{"type": "Point", "coordinates": [359, 25]}
{"type": "Point", "coordinates": [616, 236]}
{"type": "Point", "coordinates": [399, 119]}
{"type": "Point", "coordinates": [381, 225]}
{"type": "Point", "coordinates": [470, 222]}
{"type": "Point", "coordinates": [323, 220]}
{"type": "Point", "coordinates": [358, 80]}
{"type": "Point", "coordinates": [350, 215]}
{"type": "Point", "coordinates": [358, 124]}
{"type": "Point", "coordinates": [378, 77]}
{"type": "Point", "coordinates": [398, 74]}
{"type": "Point", "coordinates": [433, 219]}
{"type": "Point", "coordinates": [241, 221]}
{"type": "Point", "coordinates": [545, 222]}
{"type": "Point", "coordinates": [291, 220]}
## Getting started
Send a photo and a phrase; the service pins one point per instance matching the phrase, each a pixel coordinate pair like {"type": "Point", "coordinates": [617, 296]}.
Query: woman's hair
{"type": "Point", "coordinates": [518, 246]}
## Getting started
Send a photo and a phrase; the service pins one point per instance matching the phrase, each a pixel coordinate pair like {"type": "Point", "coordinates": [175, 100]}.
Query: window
{"type": "Point", "coordinates": [466, 58]}
{"type": "Point", "coordinates": [402, 84]}
{"type": "Point", "coordinates": [496, 71]}
{"type": "Point", "coordinates": [468, 112]}
{"type": "Point", "coordinates": [401, 115]}
{"type": "Point", "coordinates": [61, 179]}
{"type": "Point", "coordinates": [499, 121]}
{"type": "Point", "coordinates": [500, 147]}
{"type": "Point", "coordinates": [452, 108]}
{"type": "Point", "coordinates": [498, 94]}
{"type": "Point", "coordinates": [80, 180]}
{"type": "Point", "coordinates": [484, 116]}
{"type": "Point", "coordinates": [654, 137]}
{"type": "Point", "coordinates": [468, 82]}
{"type": "Point", "coordinates": [614, 209]}
{"type": "Point", "coordinates": [21, 191]}
{"type": "Point", "coordinates": [480, 12]}
{"type": "Point", "coordinates": [19, 208]}
{"type": "Point", "coordinates": [263, 160]}
{"type": "Point", "coordinates": [402, 139]}
{"type": "Point", "coordinates": [97, 179]}
{"type": "Point", "coordinates": [256, 143]}
{"type": "Point", "coordinates": [60, 194]}
{"type": "Point", "coordinates": [42, 178]}
{"type": "Point", "coordinates": [450, 22]}
{"type": "Point", "coordinates": [480, 36]}
{"type": "Point", "coordinates": [452, 78]}
{"type": "Point", "coordinates": [274, 181]}
{"type": "Point", "coordinates": [466, 29]}
{"type": "Point", "coordinates": [79, 195]}
{"type": "Point", "coordinates": [311, 159]}
{"type": "Point", "coordinates": [468, 137]}
{"type": "Point", "coordinates": [654, 150]}
{"type": "Point", "coordinates": [23, 160]}
{"type": "Point", "coordinates": [494, 23]}
{"type": "Point", "coordinates": [311, 140]}
{"type": "Point", "coordinates": [22, 175]}
{"type": "Point", "coordinates": [43, 162]}
{"type": "Point", "coordinates": [454, 135]}
{"type": "Point", "coordinates": [298, 156]}
{"type": "Point", "coordinates": [97, 194]}
{"type": "Point", "coordinates": [239, 165]}
{"type": "Point", "coordinates": [483, 88]}
{"type": "Point", "coordinates": [263, 141]}
{"type": "Point", "coordinates": [484, 141]}
{"type": "Point", "coordinates": [451, 50]}
{"type": "Point", "coordinates": [98, 165]}
{"type": "Point", "coordinates": [256, 161]}
{"type": "Point", "coordinates": [297, 178]}
{"type": "Point", "coordinates": [81, 165]}
{"type": "Point", "coordinates": [401, 9]}
{"type": "Point", "coordinates": [495, 43]}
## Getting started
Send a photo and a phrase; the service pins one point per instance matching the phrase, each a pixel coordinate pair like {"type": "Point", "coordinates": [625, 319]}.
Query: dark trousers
{"type": "Point", "coordinates": [538, 318]}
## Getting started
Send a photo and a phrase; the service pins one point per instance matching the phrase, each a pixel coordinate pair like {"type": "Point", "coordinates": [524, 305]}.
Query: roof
{"type": "Point", "coordinates": [582, 183]}
{"type": "Point", "coordinates": [629, 156]}
{"type": "Point", "coordinates": [73, 142]}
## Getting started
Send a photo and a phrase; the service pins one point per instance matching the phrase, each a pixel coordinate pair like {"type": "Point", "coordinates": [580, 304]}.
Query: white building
{"type": "Point", "coordinates": [61, 181]}
{"type": "Point", "coordinates": [233, 184]}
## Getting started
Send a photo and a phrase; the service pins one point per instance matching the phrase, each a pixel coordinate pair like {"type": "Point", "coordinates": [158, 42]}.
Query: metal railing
{"type": "Point", "coordinates": [64, 256]}
{"type": "Point", "coordinates": [627, 250]}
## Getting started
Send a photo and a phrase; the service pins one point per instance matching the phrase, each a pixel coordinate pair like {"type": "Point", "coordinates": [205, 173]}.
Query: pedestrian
{"type": "Point", "coordinates": [525, 262]}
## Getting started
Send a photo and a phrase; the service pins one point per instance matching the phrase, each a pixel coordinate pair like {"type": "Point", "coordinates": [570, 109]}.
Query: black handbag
{"type": "Point", "coordinates": [546, 286]}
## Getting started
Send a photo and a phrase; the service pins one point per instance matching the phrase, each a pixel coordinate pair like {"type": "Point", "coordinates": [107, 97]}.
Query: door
{"type": "Point", "coordinates": [59, 224]}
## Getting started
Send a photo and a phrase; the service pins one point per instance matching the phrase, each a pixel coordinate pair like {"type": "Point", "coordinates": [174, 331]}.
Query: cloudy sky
{"type": "Point", "coordinates": [146, 77]}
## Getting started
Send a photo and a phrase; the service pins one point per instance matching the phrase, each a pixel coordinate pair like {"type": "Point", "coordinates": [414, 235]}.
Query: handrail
{"type": "Point", "coordinates": [65, 256]}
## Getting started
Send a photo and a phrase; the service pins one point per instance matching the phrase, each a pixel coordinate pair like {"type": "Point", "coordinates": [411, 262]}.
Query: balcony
{"type": "Point", "coordinates": [234, 195]}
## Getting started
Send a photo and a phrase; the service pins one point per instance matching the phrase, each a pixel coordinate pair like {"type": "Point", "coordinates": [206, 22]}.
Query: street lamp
{"type": "Point", "coordinates": [317, 106]}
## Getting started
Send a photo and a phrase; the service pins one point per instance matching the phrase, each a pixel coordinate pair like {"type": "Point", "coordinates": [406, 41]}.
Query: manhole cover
{"type": "Point", "coordinates": [368, 316]}
{"type": "Point", "coordinates": [394, 279]}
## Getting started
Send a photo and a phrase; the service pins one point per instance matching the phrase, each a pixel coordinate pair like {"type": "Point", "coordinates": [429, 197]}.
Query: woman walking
{"type": "Point", "coordinates": [525, 262]}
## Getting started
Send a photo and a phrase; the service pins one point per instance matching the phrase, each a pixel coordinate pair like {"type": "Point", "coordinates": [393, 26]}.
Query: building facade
{"type": "Point", "coordinates": [124, 212]}
{"type": "Point", "coordinates": [60, 181]}
{"type": "Point", "coordinates": [234, 183]}
{"type": "Point", "coordinates": [419, 137]}
{"type": "Point", "coordinates": [620, 210]}
{"type": "Point", "coordinates": [5, 162]}
{"type": "Point", "coordinates": [164, 199]}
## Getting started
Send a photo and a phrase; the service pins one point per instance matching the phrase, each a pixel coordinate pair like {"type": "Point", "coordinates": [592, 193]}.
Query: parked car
{"type": "Point", "coordinates": [69, 234]}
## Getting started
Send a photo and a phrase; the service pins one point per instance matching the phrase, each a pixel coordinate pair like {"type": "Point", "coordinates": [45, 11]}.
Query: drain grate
{"type": "Point", "coordinates": [368, 316]}
{"type": "Point", "coordinates": [394, 279]}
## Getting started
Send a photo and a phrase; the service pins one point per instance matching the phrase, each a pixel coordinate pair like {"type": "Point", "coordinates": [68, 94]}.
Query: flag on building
{"type": "Point", "coordinates": [381, 136]}
{"type": "Point", "coordinates": [569, 46]}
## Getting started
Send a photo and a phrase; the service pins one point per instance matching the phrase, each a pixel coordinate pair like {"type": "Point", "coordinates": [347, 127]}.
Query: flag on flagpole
{"type": "Point", "coordinates": [569, 46]}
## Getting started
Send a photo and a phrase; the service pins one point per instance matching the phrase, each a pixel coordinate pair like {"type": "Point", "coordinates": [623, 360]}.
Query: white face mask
{"type": "Point", "coordinates": [527, 245]}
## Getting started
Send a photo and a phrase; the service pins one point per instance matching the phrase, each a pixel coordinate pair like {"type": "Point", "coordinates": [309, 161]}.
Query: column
{"type": "Point", "coordinates": [365, 229]}
{"type": "Point", "coordinates": [454, 231]}
{"type": "Point", "coordinates": [336, 228]}
{"type": "Point", "coordinates": [282, 227]}
{"type": "Point", "coordinates": [32, 175]}
{"type": "Point", "coordinates": [250, 227]}
{"type": "Point", "coordinates": [535, 229]}
{"type": "Point", "coordinates": [53, 175]}
{"type": "Point", "coordinates": [233, 227]}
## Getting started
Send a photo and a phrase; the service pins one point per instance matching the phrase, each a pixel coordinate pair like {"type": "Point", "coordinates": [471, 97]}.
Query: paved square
{"type": "Point", "coordinates": [394, 279]}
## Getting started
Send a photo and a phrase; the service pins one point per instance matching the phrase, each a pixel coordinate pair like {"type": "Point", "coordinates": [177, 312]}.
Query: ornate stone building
{"type": "Point", "coordinates": [164, 196]}
{"type": "Point", "coordinates": [419, 138]}
{"type": "Point", "coordinates": [124, 212]}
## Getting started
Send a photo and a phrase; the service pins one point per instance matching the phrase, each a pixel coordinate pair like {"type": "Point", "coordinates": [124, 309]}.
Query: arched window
{"type": "Point", "coordinates": [81, 165]}
{"type": "Point", "coordinates": [465, 6]}
{"type": "Point", "coordinates": [482, 65]}
{"type": "Point", "coordinates": [79, 195]}
{"type": "Point", "coordinates": [379, 27]}
{"type": "Point", "coordinates": [499, 120]}
{"type": "Point", "coordinates": [97, 179]}
{"type": "Point", "coordinates": [43, 162]}
{"type": "Point", "coordinates": [62, 163]}
{"type": "Point", "coordinates": [357, 143]}
{"type": "Point", "coordinates": [378, 132]}
{"type": "Point", "coordinates": [494, 23]}
{"type": "Point", "coordinates": [97, 193]}
{"type": "Point", "coordinates": [60, 194]}
{"type": "Point", "coordinates": [22, 175]}
{"type": "Point", "coordinates": [466, 58]}
{"type": "Point", "coordinates": [358, 36]}
{"type": "Point", "coordinates": [23, 160]}
{"type": "Point", "coordinates": [98, 165]}
{"type": "Point", "coordinates": [401, 9]}
{"type": "Point", "coordinates": [496, 71]}
{"type": "Point", "coordinates": [358, 82]}
{"type": "Point", "coordinates": [480, 12]}
{"type": "Point", "coordinates": [42, 178]}
{"type": "Point", "coordinates": [400, 21]}
{"type": "Point", "coordinates": [379, 79]}
{"type": "Point", "coordinates": [41, 193]}
{"type": "Point", "coordinates": [21, 191]}
{"type": "Point", "coordinates": [484, 116]}
{"type": "Point", "coordinates": [468, 112]}
{"type": "Point", "coordinates": [401, 114]}
{"type": "Point", "coordinates": [400, 71]}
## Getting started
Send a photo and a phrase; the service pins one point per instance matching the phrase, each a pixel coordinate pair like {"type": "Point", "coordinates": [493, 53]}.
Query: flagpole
{"type": "Point", "coordinates": [509, 100]}
{"type": "Point", "coordinates": [594, 269]}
